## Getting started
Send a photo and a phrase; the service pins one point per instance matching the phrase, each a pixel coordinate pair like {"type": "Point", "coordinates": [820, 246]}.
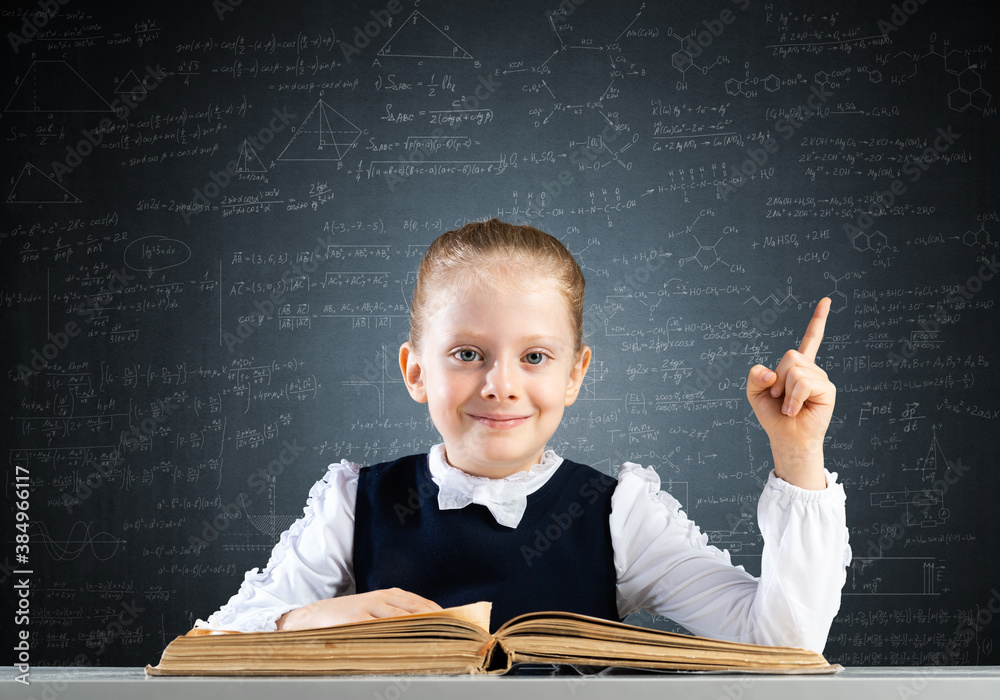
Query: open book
{"type": "Point", "coordinates": [457, 641]}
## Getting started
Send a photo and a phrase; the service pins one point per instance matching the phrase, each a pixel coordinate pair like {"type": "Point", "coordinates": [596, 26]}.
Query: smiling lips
{"type": "Point", "coordinates": [500, 421]}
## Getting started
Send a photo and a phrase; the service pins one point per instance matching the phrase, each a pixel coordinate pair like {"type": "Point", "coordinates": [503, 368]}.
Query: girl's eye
{"type": "Point", "coordinates": [535, 358]}
{"type": "Point", "coordinates": [467, 355]}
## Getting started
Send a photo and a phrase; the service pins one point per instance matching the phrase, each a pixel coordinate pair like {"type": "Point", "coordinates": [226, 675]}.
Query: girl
{"type": "Point", "coordinates": [496, 352]}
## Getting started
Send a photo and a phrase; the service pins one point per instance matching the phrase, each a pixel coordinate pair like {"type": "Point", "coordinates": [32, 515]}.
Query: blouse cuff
{"type": "Point", "coordinates": [787, 492]}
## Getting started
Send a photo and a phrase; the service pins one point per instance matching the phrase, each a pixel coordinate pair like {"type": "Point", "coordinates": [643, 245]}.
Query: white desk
{"type": "Point", "coordinates": [930, 683]}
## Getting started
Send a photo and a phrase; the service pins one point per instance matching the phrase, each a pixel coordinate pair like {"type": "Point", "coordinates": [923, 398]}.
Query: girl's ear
{"type": "Point", "coordinates": [577, 373]}
{"type": "Point", "coordinates": [413, 374]}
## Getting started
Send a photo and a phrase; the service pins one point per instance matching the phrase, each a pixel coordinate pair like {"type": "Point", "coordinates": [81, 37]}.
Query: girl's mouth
{"type": "Point", "coordinates": [501, 422]}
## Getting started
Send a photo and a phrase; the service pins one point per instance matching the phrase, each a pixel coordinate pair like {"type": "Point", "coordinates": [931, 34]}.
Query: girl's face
{"type": "Point", "coordinates": [496, 370]}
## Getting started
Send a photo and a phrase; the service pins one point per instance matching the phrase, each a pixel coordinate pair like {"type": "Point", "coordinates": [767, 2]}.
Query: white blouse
{"type": "Point", "coordinates": [663, 561]}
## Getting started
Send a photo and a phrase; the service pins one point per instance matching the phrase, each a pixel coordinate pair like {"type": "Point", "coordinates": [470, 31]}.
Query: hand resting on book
{"type": "Point", "coordinates": [388, 602]}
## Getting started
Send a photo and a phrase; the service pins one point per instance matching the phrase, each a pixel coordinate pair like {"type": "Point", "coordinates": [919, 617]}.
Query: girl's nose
{"type": "Point", "coordinates": [502, 381]}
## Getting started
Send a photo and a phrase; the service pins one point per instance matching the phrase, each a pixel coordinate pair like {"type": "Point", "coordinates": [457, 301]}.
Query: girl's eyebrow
{"type": "Point", "coordinates": [538, 337]}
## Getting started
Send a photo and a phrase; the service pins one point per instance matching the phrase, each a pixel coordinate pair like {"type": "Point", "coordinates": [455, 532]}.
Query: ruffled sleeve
{"type": "Point", "coordinates": [310, 562]}
{"type": "Point", "coordinates": [666, 566]}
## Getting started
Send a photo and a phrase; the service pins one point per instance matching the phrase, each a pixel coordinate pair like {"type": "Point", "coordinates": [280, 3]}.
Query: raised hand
{"type": "Point", "coordinates": [794, 404]}
{"type": "Point", "coordinates": [388, 602]}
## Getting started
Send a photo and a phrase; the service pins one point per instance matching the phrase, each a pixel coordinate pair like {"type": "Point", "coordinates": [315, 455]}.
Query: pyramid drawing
{"type": "Point", "coordinates": [935, 458]}
{"type": "Point", "coordinates": [248, 160]}
{"type": "Point", "coordinates": [325, 134]}
{"type": "Point", "coordinates": [35, 187]}
{"type": "Point", "coordinates": [418, 37]}
{"type": "Point", "coordinates": [53, 86]}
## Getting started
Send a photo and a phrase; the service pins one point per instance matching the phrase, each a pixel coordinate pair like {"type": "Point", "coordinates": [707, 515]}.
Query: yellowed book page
{"type": "Point", "coordinates": [603, 653]}
{"type": "Point", "coordinates": [418, 643]}
{"type": "Point", "coordinates": [619, 640]}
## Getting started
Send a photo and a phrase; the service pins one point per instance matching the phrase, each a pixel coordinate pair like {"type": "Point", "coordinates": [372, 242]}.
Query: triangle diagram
{"type": "Point", "coordinates": [248, 160]}
{"type": "Point", "coordinates": [35, 187]}
{"type": "Point", "coordinates": [418, 37]}
{"type": "Point", "coordinates": [130, 85]}
{"type": "Point", "coordinates": [325, 134]}
{"type": "Point", "coordinates": [53, 86]}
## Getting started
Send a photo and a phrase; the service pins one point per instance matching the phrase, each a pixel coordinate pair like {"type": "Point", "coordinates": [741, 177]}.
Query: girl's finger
{"type": "Point", "coordinates": [814, 331]}
{"type": "Point", "coordinates": [797, 392]}
{"type": "Point", "coordinates": [788, 361]}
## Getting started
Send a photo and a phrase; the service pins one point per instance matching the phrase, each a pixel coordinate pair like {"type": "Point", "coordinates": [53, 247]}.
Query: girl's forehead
{"type": "Point", "coordinates": [541, 300]}
{"type": "Point", "coordinates": [522, 289]}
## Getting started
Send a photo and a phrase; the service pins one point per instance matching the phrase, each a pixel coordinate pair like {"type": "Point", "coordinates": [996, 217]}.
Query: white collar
{"type": "Point", "coordinates": [506, 498]}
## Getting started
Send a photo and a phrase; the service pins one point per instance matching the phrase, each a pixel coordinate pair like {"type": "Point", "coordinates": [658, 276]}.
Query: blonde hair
{"type": "Point", "coordinates": [495, 255]}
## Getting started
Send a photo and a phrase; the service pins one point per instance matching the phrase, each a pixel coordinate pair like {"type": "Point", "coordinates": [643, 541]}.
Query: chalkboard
{"type": "Point", "coordinates": [213, 213]}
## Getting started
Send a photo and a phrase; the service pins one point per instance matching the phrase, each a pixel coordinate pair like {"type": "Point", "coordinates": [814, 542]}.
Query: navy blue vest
{"type": "Point", "coordinates": [558, 558]}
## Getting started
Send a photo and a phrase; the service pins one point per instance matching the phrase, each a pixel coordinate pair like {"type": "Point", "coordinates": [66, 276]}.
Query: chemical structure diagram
{"type": "Point", "coordinates": [708, 257]}
{"type": "Point", "coordinates": [746, 87]}
{"type": "Point", "coordinates": [875, 241]}
{"type": "Point", "coordinates": [606, 202]}
{"type": "Point", "coordinates": [691, 48]}
{"type": "Point", "coordinates": [605, 60]}
{"type": "Point", "coordinates": [775, 301]}
{"type": "Point", "coordinates": [980, 237]}
{"type": "Point", "coordinates": [693, 44]}
{"type": "Point", "coordinates": [838, 298]}
{"type": "Point", "coordinates": [962, 65]}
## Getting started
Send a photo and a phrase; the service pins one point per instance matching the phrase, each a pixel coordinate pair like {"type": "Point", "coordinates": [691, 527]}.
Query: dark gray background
{"type": "Point", "coordinates": [227, 354]}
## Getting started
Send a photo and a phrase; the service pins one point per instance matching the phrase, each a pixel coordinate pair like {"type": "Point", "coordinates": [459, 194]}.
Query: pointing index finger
{"type": "Point", "coordinates": [814, 332]}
